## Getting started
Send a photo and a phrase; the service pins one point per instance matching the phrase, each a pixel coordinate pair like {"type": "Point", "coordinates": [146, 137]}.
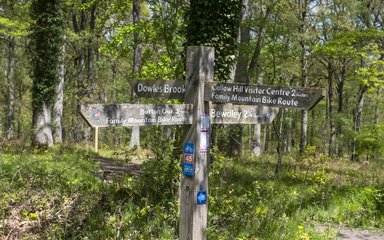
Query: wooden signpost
{"type": "Point", "coordinates": [125, 115]}
{"type": "Point", "coordinates": [234, 104]}
{"type": "Point", "coordinates": [273, 96]}
{"type": "Point", "coordinates": [114, 115]}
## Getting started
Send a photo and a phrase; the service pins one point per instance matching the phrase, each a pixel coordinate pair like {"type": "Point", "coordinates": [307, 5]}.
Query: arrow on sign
{"type": "Point", "coordinates": [201, 197]}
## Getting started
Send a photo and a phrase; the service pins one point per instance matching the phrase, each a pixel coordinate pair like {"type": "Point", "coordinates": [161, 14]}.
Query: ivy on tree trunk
{"type": "Point", "coordinates": [45, 44]}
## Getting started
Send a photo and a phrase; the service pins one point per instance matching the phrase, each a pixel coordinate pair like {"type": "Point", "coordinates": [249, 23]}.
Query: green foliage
{"type": "Point", "coordinates": [12, 28]}
{"type": "Point", "coordinates": [215, 24]}
{"type": "Point", "coordinates": [45, 42]}
{"type": "Point", "coordinates": [13, 19]}
{"type": "Point", "coordinates": [43, 187]}
{"type": "Point", "coordinates": [361, 46]}
{"type": "Point", "coordinates": [246, 202]}
{"type": "Point", "coordinates": [311, 167]}
{"type": "Point", "coordinates": [348, 44]}
{"type": "Point", "coordinates": [56, 195]}
{"type": "Point", "coordinates": [370, 141]}
{"type": "Point", "coordinates": [162, 69]}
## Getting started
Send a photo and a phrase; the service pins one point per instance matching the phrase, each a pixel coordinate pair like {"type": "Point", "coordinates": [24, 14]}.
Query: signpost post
{"type": "Point", "coordinates": [234, 104]}
{"type": "Point", "coordinates": [193, 216]}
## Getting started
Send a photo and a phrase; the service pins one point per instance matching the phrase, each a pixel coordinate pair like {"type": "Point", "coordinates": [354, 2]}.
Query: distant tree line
{"type": "Point", "coordinates": [58, 54]}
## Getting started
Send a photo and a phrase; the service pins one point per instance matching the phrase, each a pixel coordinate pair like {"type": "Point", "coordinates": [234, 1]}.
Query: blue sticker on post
{"type": "Point", "coordinates": [189, 148]}
{"type": "Point", "coordinates": [201, 197]}
{"type": "Point", "coordinates": [188, 169]}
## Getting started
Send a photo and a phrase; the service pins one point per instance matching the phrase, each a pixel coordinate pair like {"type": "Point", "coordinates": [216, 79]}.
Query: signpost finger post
{"type": "Point", "coordinates": [194, 189]}
{"type": "Point", "coordinates": [206, 103]}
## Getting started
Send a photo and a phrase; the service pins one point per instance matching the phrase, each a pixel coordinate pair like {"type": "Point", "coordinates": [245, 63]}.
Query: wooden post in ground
{"type": "Point", "coordinates": [193, 216]}
{"type": "Point", "coordinates": [96, 139]}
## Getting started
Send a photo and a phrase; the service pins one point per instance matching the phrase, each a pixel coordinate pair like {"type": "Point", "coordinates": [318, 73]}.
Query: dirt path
{"type": "Point", "coordinates": [355, 234]}
{"type": "Point", "coordinates": [111, 169]}
{"type": "Point", "coordinates": [344, 233]}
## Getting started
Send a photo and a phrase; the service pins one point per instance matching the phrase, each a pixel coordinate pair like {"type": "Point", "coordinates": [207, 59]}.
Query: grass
{"type": "Point", "coordinates": [54, 194]}
{"type": "Point", "coordinates": [249, 202]}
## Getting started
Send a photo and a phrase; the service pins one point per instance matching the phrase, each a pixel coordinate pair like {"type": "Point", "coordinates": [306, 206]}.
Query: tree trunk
{"type": "Point", "coordinates": [286, 136]}
{"type": "Point", "coordinates": [46, 33]}
{"type": "Point", "coordinates": [91, 54]}
{"type": "Point", "coordinates": [278, 133]}
{"type": "Point", "coordinates": [42, 133]}
{"type": "Point", "coordinates": [340, 88]}
{"type": "Point", "coordinates": [11, 90]}
{"type": "Point", "coordinates": [117, 137]}
{"type": "Point", "coordinates": [332, 128]}
{"type": "Point", "coordinates": [135, 135]}
{"type": "Point", "coordinates": [304, 74]}
{"type": "Point", "coordinates": [254, 70]}
{"type": "Point", "coordinates": [304, 130]}
{"type": "Point", "coordinates": [312, 130]}
{"type": "Point", "coordinates": [325, 138]}
{"type": "Point", "coordinates": [358, 116]}
{"type": "Point", "coordinates": [293, 128]}
{"type": "Point", "coordinates": [267, 137]}
{"type": "Point", "coordinates": [257, 140]}
{"type": "Point", "coordinates": [58, 106]}
{"type": "Point", "coordinates": [254, 65]}
{"type": "Point", "coordinates": [241, 74]}
{"type": "Point", "coordinates": [304, 113]}
{"type": "Point", "coordinates": [81, 81]}
{"type": "Point", "coordinates": [340, 95]}
{"type": "Point", "coordinates": [377, 106]}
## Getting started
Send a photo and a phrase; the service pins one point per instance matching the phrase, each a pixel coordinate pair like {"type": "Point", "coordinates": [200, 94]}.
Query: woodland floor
{"type": "Point", "coordinates": [111, 169]}
{"type": "Point", "coordinates": [354, 234]}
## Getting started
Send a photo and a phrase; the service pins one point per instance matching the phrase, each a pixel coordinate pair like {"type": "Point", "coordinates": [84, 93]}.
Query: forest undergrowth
{"type": "Point", "coordinates": [55, 194]}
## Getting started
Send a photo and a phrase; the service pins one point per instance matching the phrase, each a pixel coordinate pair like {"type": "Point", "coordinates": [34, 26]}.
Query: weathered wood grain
{"type": "Point", "coordinates": [193, 217]}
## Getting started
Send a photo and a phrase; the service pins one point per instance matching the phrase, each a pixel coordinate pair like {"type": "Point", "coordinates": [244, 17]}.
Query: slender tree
{"type": "Point", "coordinates": [80, 25]}
{"type": "Point", "coordinates": [91, 51]}
{"type": "Point", "coordinates": [241, 72]}
{"type": "Point", "coordinates": [11, 90]}
{"type": "Point", "coordinates": [135, 135]}
{"type": "Point", "coordinates": [59, 99]}
{"type": "Point", "coordinates": [254, 67]}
